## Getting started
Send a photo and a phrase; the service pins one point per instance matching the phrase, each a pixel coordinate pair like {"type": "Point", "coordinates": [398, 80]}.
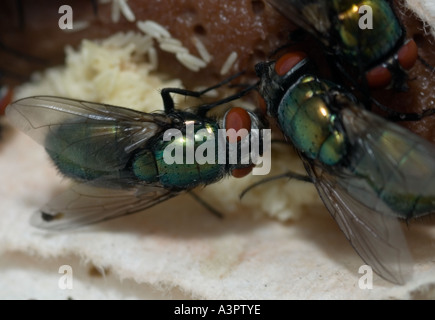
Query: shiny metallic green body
{"type": "Point", "coordinates": [94, 161]}
{"type": "Point", "coordinates": [304, 117]}
{"type": "Point", "coordinates": [379, 163]}
{"type": "Point", "coordinates": [87, 160]}
{"type": "Point", "coordinates": [150, 166]}
{"type": "Point", "coordinates": [368, 46]}
{"type": "Point", "coordinates": [367, 170]}
{"type": "Point", "coordinates": [362, 33]}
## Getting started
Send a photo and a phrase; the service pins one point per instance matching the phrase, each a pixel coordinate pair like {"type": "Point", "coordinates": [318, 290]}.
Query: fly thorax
{"type": "Point", "coordinates": [276, 81]}
{"type": "Point", "coordinates": [306, 119]}
{"type": "Point", "coordinates": [183, 157]}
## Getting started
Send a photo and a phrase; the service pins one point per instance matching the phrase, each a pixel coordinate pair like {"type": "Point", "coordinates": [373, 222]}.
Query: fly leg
{"type": "Point", "coordinates": [206, 205]}
{"type": "Point", "coordinates": [399, 116]}
{"type": "Point", "coordinates": [202, 110]}
{"type": "Point", "coordinates": [289, 175]}
{"type": "Point", "coordinates": [426, 64]}
{"type": "Point", "coordinates": [168, 101]}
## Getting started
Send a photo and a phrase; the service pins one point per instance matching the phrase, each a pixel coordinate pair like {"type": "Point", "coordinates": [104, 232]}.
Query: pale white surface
{"type": "Point", "coordinates": [25, 277]}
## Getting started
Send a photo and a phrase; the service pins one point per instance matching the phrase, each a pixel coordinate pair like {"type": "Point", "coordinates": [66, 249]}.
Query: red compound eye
{"type": "Point", "coordinates": [5, 99]}
{"type": "Point", "coordinates": [288, 61]}
{"type": "Point", "coordinates": [237, 118]}
{"type": "Point", "coordinates": [408, 55]}
{"type": "Point", "coordinates": [262, 104]}
{"type": "Point", "coordinates": [379, 77]}
{"type": "Point", "coordinates": [241, 172]}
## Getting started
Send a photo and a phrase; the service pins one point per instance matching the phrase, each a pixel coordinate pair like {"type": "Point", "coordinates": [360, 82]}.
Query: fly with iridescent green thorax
{"type": "Point", "coordinates": [379, 52]}
{"type": "Point", "coordinates": [370, 173]}
{"type": "Point", "coordinates": [115, 155]}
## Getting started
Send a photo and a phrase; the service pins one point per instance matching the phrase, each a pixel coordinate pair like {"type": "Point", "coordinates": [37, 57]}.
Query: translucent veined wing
{"type": "Point", "coordinates": [66, 126]}
{"type": "Point", "coordinates": [311, 15]}
{"type": "Point", "coordinates": [375, 235]}
{"type": "Point", "coordinates": [390, 175]}
{"type": "Point", "coordinates": [84, 204]}
{"type": "Point", "coordinates": [399, 164]}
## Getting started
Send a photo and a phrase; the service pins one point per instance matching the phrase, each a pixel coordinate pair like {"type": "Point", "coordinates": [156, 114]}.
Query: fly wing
{"type": "Point", "coordinates": [84, 204]}
{"type": "Point", "coordinates": [311, 15]}
{"type": "Point", "coordinates": [375, 235]}
{"type": "Point", "coordinates": [66, 126]}
{"type": "Point", "coordinates": [390, 174]}
{"type": "Point", "coordinates": [396, 162]}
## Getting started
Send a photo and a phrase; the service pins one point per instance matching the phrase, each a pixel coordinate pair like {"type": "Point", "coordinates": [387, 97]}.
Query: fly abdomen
{"type": "Point", "coordinates": [144, 166]}
{"type": "Point", "coordinates": [416, 197]}
{"type": "Point", "coordinates": [403, 179]}
{"type": "Point", "coordinates": [185, 175]}
{"type": "Point", "coordinates": [84, 152]}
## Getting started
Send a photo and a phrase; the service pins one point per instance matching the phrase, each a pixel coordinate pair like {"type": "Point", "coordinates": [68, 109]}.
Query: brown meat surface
{"type": "Point", "coordinates": [252, 28]}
